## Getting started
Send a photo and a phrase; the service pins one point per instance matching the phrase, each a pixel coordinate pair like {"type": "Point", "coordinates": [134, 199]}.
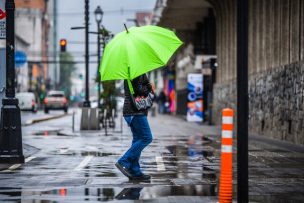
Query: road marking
{"type": "Point", "coordinates": [15, 166]}
{"type": "Point", "coordinates": [28, 159]}
{"type": "Point", "coordinates": [28, 122]}
{"type": "Point", "coordinates": [160, 163]}
{"type": "Point", "coordinates": [63, 151]}
{"type": "Point", "coordinates": [84, 163]}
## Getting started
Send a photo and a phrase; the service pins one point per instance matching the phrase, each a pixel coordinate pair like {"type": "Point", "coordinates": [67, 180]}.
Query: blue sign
{"type": "Point", "coordinates": [20, 59]}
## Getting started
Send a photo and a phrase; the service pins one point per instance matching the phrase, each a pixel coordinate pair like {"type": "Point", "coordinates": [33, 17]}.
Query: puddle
{"type": "Point", "coordinates": [104, 194]}
{"type": "Point", "coordinates": [97, 153]}
{"type": "Point", "coordinates": [69, 152]}
{"type": "Point", "coordinates": [50, 133]}
{"type": "Point", "coordinates": [79, 194]}
{"type": "Point", "coordinates": [196, 146]}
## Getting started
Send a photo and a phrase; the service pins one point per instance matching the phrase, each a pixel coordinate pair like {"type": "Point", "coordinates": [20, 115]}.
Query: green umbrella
{"type": "Point", "coordinates": [136, 51]}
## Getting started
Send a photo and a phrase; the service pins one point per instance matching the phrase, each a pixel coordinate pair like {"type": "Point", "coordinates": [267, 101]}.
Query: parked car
{"type": "Point", "coordinates": [27, 101]}
{"type": "Point", "coordinates": [55, 100]}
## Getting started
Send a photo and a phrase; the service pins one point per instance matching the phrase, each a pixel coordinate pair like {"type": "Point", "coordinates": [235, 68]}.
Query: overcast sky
{"type": "Point", "coordinates": [71, 13]}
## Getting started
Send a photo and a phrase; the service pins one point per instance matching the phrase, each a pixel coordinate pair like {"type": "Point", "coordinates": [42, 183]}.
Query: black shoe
{"type": "Point", "coordinates": [142, 177]}
{"type": "Point", "coordinates": [123, 169]}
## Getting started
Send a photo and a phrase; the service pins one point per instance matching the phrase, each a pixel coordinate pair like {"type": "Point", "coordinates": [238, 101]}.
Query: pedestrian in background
{"type": "Point", "coordinates": [161, 100]}
{"type": "Point", "coordinates": [128, 164]}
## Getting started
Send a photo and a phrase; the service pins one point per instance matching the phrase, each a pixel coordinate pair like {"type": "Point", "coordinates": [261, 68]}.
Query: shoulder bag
{"type": "Point", "coordinates": [141, 102]}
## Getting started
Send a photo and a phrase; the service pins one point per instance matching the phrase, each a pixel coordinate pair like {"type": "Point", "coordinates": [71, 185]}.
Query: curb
{"type": "Point", "coordinates": [38, 120]}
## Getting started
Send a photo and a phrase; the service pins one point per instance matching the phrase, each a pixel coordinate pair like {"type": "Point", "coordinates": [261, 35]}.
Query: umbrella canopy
{"type": "Point", "coordinates": [137, 51]}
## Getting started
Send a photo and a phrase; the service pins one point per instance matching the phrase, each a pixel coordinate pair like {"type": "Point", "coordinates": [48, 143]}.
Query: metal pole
{"type": "Point", "coordinates": [10, 49]}
{"type": "Point", "coordinates": [98, 55]}
{"type": "Point", "coordinates": [86, 19]}
{"type": "Point", "coordinates": [242, 101]}
{"type": "Point", "coordinates": [105, 121]}
{"type": "Point", "coordinates": [56, 72]}
{"type": "Point", "coordinates": [10, 128]}
{"type": "Point", "coordinates": [73, 121]}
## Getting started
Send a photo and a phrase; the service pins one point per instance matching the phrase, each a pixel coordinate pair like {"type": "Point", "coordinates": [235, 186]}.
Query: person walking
{"type": "Point", "coordinates": [128, 164]}
{"type": "Point", "coordinates": [161, 99]}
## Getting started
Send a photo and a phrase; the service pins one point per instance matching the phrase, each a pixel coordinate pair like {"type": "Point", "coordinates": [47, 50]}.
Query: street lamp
{"type": "Point", "coordinates": [86, 22]}
{"type": "Point", "coordinates": [98, 16]}
{"type": "Point", "coordinates": [10, 124]}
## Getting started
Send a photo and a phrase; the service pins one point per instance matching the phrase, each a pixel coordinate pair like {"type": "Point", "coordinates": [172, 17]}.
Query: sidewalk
{"type": "Point", "coordinates": [183, 160]}
{"type": "Point", "coordinates": [276, 168]}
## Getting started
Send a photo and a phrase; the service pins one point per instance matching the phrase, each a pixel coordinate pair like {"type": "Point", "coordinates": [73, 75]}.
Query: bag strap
{"type": "Point", "coordinates": [130, 87]}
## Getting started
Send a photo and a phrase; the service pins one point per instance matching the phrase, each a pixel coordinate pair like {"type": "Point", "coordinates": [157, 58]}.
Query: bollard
{"type": "Point", "coordinates": [113, 120]}
{"type": "Point", "coordinates": [225, 191]}
{"type": "Point", "coordinates": [121, 124]}
{"type": "Point", "coordinates": [105, 121]}
{"type": "Point", "coordinates": [73, 121]}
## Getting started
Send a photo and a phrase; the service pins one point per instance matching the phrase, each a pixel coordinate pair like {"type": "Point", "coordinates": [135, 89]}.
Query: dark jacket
{"type": "Point", "coordinates": [142, 87]}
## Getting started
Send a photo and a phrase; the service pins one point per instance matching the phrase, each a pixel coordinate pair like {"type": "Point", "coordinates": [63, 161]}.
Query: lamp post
{"type": "Point", "coordinates": [242, 101]}
{"type": "Point", "coordinates": [86, 20]}
{"type": "Point", "coordinates": [98, 17]}
{"type": "Point", "coordinates": [10, 128]}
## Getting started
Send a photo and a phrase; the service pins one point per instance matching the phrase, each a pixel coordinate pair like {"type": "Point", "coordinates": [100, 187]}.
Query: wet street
{"type": "Point", "coordinates": [63, 165]}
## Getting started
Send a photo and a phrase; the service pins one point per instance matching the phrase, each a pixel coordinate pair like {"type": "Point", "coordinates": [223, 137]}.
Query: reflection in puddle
{"type": "Point", "coordinates": [69, 152]}
{"type": "Point", "coordinates": [48, 132]}
{"type": "Point", "coordinates": [129, 193]}
{"type": "Point", "coordinates": [103, 194]}
{"type": "Point", "coordinates": [96, 153]}
{"type": "Point", "coordinates": [196, 146]}
{"type": "Point", "coordinates": [80, 194]}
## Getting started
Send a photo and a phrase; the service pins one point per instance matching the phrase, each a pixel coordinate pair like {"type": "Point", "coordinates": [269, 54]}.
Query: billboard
{"type": "Point", "coordinates": [195, 98]}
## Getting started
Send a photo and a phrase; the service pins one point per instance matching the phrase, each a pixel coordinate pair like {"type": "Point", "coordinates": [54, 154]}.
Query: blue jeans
{"type": "Point", "coordinates": [142, 137]}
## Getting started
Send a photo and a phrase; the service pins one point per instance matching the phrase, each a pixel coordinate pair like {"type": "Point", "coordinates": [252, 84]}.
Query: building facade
{"type": "Point", "coordinates": [32, 38]}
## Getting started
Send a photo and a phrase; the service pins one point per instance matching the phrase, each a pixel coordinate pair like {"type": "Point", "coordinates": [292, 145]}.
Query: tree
{"type": "Point", "coordinates": [108, 95]}
{"type": "Point", "coordinates": [67, 67]}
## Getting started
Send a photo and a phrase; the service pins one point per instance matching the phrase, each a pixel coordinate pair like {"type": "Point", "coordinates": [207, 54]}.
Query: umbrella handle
{"type": "Point", "coordinates": [126, 28]}
{"type": "Point", "coordinates": [130, 86]}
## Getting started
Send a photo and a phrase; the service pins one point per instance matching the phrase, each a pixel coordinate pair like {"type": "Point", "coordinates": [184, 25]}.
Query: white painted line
{"type": "Point", "coordinates": [28, 159]}
{"type": "Point", "coordinates": [160, 163]}
{"type": "Point", "coordinates": [227, 120]}
{"type": "Point", "coordinates": [226, 134]}
{"type": "Point", "coordinates": [84, 163]}
{"type": "Point", "coordinates": [63, 151]}
{"type": "Point", "coordinates": [28, 122]}
{"type": "Point", "coordinates": [15, 166]}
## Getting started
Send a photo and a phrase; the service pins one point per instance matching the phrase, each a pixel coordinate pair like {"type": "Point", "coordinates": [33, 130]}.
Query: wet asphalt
{"type": "Point", "coordinates": [63, 165]}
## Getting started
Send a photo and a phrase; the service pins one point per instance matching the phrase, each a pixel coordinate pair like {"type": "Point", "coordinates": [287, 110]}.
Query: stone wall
{"type": "Point", "coordinates": [276, 102]}
{"type": "Point", "coordinates": [275, 35]}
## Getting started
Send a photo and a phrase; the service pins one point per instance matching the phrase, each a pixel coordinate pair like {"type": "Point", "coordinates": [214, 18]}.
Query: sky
{"type": "Point", "coordinates": [116, 12]}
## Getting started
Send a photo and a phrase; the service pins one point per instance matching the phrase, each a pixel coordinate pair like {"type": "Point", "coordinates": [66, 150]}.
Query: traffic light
{"type": "Point", "coordinates": [63, 44]}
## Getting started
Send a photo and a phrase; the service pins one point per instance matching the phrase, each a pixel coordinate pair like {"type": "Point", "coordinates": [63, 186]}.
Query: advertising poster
{"type": "Point", "coordinates": [195, 98]}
